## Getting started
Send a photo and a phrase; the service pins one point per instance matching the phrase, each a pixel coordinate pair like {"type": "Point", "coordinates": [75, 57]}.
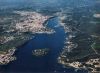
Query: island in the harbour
{"type": "Point", "coordinates": [22, 24]}
{"type": "Point", "coordinates": [40, 52]}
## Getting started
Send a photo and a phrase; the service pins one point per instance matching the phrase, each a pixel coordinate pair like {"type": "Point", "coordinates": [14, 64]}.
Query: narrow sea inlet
{"type": "Point", "coordinates": [27, 62]}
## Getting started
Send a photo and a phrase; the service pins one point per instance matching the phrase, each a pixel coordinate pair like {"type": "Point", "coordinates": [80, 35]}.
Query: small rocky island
{"type": "Point", "coordinates": [40, 52]}
{"type": "Point", "coordinates": [33, 22]}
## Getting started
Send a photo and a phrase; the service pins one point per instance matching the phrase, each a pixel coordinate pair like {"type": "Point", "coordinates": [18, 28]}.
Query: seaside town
{"type": "Point", "coordinates": [33, 22]}
{"type": "Point", "coordinates": [92, 65]}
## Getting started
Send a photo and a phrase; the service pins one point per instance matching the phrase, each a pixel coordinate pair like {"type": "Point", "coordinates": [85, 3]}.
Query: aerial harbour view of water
{"type": "Point", "coordinates": [49, 36]}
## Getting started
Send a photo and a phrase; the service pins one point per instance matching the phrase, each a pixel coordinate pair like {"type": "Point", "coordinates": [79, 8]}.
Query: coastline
{"type": "Point", "coordinates": [92, 65]}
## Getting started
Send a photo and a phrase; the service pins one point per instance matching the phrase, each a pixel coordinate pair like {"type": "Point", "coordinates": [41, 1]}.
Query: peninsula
{"type": "Point", "coordinates": [74, 54]}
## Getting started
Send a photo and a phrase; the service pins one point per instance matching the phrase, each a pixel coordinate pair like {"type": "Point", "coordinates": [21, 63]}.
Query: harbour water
{"type": "Point", "coordinates": [26, 62]}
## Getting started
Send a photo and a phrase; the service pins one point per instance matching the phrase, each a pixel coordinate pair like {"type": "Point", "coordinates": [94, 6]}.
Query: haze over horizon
{"type": "Point", "coordinates": [44, 3]}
